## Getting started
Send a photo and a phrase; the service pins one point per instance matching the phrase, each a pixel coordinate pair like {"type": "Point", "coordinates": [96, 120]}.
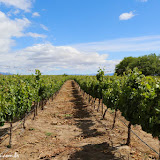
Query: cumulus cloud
{"type": "Point", "coordinates": [61, 56]}
{"type": "Point", "coordinates": [126, 16]}
{"type": "Point", "coordinates": [10, 28]}
{"type": "Point", "coordinates": [47, 57]}
{"type": "Point", "coordinates": [21, 4]}
{"type": "Point", "coordinates": [44, 27]}
{"type": "Point", "coordinates": [35, 14]}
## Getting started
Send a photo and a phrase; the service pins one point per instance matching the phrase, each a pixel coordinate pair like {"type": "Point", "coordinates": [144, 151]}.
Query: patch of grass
{"type": "Point", "coordinates": [31, 129]}
{"type": "Point", "coordinates": [48, 133]}
{"type": "Point", "coordinates": [9, 146]}
{"type": "Point", "coordinates": [112, 110]}
{"type": "Point", "coordinates": [68, 115]}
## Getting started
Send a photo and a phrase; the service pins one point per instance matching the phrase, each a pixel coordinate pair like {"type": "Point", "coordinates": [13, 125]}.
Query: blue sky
{"type": "Point", "coordinates": [75, 37]}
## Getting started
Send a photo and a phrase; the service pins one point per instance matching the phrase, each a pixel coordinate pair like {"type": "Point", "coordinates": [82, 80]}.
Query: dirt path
{"type": "Point", "coordinates": [69, 129]}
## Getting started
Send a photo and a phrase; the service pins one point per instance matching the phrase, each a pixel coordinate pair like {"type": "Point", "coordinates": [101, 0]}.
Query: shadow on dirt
{"type": "Point", "coordinates": [82, 116]}
{"type": "Point", "coordinates": [3, 131]}
{"type": "Point", "coordinates": [83, 121]}
{"type": "Point", "coordinates": [79, 105]}
{"type": "Point", "coordinates": [95, 152]}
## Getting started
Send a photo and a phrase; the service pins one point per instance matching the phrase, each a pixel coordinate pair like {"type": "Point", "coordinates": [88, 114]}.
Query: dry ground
{"type": "Point", "coordinates": [70, 129]}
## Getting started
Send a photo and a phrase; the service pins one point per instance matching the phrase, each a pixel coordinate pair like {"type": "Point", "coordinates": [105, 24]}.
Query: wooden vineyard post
{"type": "Point", "coordinates": [48, 101]}
{"type": "Point", "coordinates": [102, 105]}
{"type": "Point", "coordinates": [115, 115]}
{"type": "Point", "coordinates": [37, 104]}
{"type": "Point", "coordinates": [129, 134]}
{"type": "Point", "coordinates": [95, 103]}
{"type": "Point", "coordinates": [34, 112]}
{"type": "Point", "coordinates": [99, 105]}
{"type": "Point", "coordinates": [24, 121]}
{"type": "Point", "coordinates": [42, 105]}
{"type": "Point", "coordinates": [104, 113]}
{"type": "Point", "coordinates": [83, 93]}
{"type": "Point", "coordinates": [92, 100]}
{"type": "Point", "coordinates": [10, 135]}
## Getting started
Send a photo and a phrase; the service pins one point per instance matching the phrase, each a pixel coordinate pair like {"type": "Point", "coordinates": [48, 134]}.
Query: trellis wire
{"type": "Point", "coordinates": [131, 130]}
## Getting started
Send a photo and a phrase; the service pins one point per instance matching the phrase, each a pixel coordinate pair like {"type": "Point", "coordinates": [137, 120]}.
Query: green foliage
{"type": "Point", "coordinates": [17, 93]}
{"type": "Point", "coordinates": [148, 65]}
{"type": "Point", "coordinates": [122, 66]}
{"type": "Point", "coordinates": [134, 94]}
{"type": "Point", "coordinates": [100, 75]}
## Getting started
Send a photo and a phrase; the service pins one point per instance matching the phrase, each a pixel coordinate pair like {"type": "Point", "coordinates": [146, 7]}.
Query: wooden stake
{"type": "Point", "coordinates": [88, 98]}
{"type": "Point", "coordinates": [104, 113]}
{"type": "Point", "coordinates": [42, 105]}
{"type": "Point", "coordinates": [34, 113]}
{"type": "Point", "coordinates": [102, 105]}
{"type": "Point", "coordinates": [99, 105]}
{"type": "Point", "coordinates": [10, 139]}
{"type": "Point", "coordinates": [95, 103]}
{"type": "Point", "coordinates": [129, 134]}
{"type": "Point", "coordinates": [115, 114]}
{"type": "Point", "coordinates": [24, 122]}
{"type": "Point", "coordinates": [37, 105]}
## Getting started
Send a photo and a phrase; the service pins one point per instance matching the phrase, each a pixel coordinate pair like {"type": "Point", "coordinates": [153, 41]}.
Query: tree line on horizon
{"type": "Point", "coordinates": [147, 64]}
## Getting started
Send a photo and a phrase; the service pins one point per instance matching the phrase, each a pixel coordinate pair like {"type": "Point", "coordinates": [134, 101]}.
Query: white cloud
{"type": "Point", "coordinates": [21, 4]}
{"type": "Point", "coordinates": [44, 27]}
{"type": "Point", "coordinates": [10, 28]}
{"type": "Point", "coordinates": [80, 58]}
{"type": "Point", "coordinates": [35, 35]}
{"type": "Point", "coordinates": [13, 12]}
{"type": "Point", "coordinates": [47, 57]}
{"type": "Point", "coordinates": [35, 14]}
{"type": "Point", "coordinates": [126, 16]}
{"type": "Point", "coordinates": [144, 43]}
{"type": "Point", "coordinates": [16, 12]}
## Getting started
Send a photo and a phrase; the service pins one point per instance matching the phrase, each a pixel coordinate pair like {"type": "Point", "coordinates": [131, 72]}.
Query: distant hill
{"type": "Point", "coordinates": [94, 74]}
{"type": "Point", "coordinates": [110, 74]}
{"type": "Point", "coordinates": [5, 73]}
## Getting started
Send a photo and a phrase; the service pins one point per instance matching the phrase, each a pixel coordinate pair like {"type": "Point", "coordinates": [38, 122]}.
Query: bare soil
{"type": "Point", "coordinates": [69, 128]}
